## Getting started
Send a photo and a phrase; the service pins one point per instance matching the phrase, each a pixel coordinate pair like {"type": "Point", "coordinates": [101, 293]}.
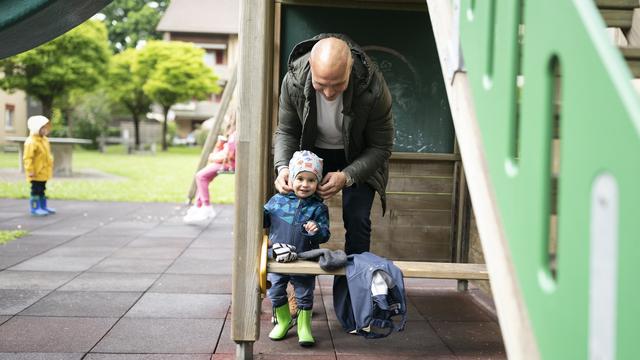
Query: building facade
{"type": "Point", "coordinates": [13, 115]}
{"type": "Point", "coordinates": [212, 25]}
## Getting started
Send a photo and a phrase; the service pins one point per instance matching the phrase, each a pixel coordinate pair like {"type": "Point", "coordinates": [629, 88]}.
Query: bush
{"type": "Point", "coordinates": [87, 130]}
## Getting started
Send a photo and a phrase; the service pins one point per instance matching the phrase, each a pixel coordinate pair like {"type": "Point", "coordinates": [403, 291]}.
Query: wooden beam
{"type": "Point", "coordinates": [617, 18]}
{"type": "Point", "coordinates": [227, 94]}
{"type": "Point", "coordinates": [617, 4]}
{"type": "Point", "coordinates": [410, 269]}
{"type": "Point", "coordinates": [254, 79]}
{"type": "Point", "coordinates": [407, 5]}
{"type": "Point", "coordinates": [514, 320]}
{"type": "Point", "coordinates": [632, 57]}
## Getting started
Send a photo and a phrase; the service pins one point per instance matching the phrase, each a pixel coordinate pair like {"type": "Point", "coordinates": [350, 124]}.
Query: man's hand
{"type": "Point", "coordinates": [311, 227]}
{"type": "Point", "coordinates": [331, 184]}
{"type": "Point", "coordinates": [282, 181]}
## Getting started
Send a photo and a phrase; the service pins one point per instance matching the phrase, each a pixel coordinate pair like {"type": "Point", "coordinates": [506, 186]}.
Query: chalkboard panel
{"type": "Point", "coordinates": [402, 44]}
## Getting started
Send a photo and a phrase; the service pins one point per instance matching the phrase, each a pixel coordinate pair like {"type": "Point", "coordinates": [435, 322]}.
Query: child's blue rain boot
{"type": "Point", "coordinates": [36, 210]}
{"type": "Point", "coordinates": [304, 328]}
{"type": "Point", "coordinates": [43, 205]}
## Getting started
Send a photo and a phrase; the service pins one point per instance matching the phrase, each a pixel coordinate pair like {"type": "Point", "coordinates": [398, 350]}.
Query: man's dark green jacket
{"type": "Point", "coordinates": [367, 128]}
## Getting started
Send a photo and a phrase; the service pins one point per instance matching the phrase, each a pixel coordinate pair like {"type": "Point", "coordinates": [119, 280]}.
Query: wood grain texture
{"type": "Point", "coordinates": [254, 93]}
{"type": "Point", "coordinates": [410, 269]}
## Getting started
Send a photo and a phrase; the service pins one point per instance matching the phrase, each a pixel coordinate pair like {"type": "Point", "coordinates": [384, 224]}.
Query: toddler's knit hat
{"type": "Point", "coordinates": [34, 123]}
{"type": "Point", "coordinates": [305, 161]}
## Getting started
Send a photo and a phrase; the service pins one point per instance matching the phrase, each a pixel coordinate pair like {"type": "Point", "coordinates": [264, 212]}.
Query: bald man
{"type": "Point", "coordinates": [335, 102]}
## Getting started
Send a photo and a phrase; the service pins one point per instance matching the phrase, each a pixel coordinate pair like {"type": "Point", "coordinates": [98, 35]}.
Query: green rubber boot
{"type": "Point", "coordinates": [304, 328]}
{"type": "Point", "coordinates": [283, 322]}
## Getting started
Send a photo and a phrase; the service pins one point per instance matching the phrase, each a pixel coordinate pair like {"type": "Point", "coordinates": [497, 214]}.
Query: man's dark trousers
{"type": "Point", "coordinates": [356, 204]}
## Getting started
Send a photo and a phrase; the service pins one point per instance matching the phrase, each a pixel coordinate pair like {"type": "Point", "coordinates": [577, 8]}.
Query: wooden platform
{"type": "Point", "coordinates": [410, 269]}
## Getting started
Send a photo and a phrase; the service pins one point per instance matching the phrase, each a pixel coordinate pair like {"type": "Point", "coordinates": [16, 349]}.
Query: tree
{"type": "Point", "coordinates": [132, 21]}
{"type": "Point", "coordinates": [126, 80]}
{"type": "Point", "coordinates": [178, 74]}
{"type": "Point", "coordinates": [92, 115]}
{"type": "Point", "coordinates": [75, 61]}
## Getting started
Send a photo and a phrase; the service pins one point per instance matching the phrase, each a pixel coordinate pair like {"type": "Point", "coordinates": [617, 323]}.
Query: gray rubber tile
{"type": "Point", "coordinates": [181, 231]}
{"type": "Point", "coordinates": [127, 265]}
{"type": "Point", "coordinates": [192, 284]}
{"type": "Point", "coordinates": [52, 334]}
{"type": "Point", "coordinates": [93, 356]}
{"type": "Point", "coordinates": [3, 319]}
{"type": "Point", "coordinates": [58, 263]}
{"type": "Point", "coordinates": [34, 280]}
{"type": "Point", "coordinates": [92, 240]}
{"type": "Point", "coordinates": [208, 253]}
{"type": "Point", "coordinates": [200, 266]}
{"type": "Point", "coordinates": [418, 338]}
{"type": "Point", "coordinates": [9, 261]}
{"type": "Point", "coordinates": [14, 301]}
{"type": "Point", "coordinates": [147, 253]}
{"type": "Point", "coordinates": [289, 345]}
{"type": "Point", "coordinates": [87, 304]}
{"type": "Point", "coordinates": [182, 306]}
{"type": "Point", "coordinates": [160, 336]}
{"type": "Point", "coordinates": [81, 251]}
{"type": "Point", "coordinates": [449, 305]}
{"type": "Point", "coordinates": [477, 339]}
{"type": "Point", "coordinates": [41, 356]}
{"type": "Point", "coordinates": [111, 282]}
{"type": "Point", "coordinates": [147, 242]}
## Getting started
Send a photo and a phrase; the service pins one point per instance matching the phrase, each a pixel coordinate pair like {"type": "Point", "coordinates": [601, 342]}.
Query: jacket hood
{"type": "Point", "coordinates": [35, 123]}
{"type": "Point", "coordinates": [361, 72]}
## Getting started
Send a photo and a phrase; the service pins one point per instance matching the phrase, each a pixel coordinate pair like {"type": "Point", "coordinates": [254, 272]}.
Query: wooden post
{"type": "Point", "coordinates": [227, 94]}
{"type": "Point", "coordinates": [254, 77]}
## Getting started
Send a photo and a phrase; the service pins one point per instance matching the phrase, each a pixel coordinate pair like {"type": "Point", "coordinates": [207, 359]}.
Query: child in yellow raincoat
{"type": "Point", "coordinates": [38, 163]}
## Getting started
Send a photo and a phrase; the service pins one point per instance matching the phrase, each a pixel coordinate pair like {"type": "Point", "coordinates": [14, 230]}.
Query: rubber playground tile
{"type": "Point", "coordinates": [52, 334]}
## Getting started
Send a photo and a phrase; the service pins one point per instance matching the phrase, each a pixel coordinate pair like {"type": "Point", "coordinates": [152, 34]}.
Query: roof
{"type": "Point", "coordinates": [201, 16]}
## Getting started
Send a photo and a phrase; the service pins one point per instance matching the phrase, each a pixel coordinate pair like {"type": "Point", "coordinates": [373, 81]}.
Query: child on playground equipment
{"type": "Point", "coordinates": [297, 221]}
{"type": "Point", "coordinates": [221, 159]}
{"type": "Point", "coordinates": [38, 163]}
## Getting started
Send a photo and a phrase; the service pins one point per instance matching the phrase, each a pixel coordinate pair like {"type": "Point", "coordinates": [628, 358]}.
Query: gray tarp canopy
{"type": "Point", "coordinates": [25, 24]}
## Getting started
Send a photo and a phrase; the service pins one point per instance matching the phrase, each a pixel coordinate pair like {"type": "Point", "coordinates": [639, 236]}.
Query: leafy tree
{"type": "Point", "coordinates": [75, 61]}
{"type": "Point", "coordinates": [178, 74]}
{"type": "Point", "coordinates": [92, 115]}
{"type": "Point", "coordinates": [126, 80]}
{"type": "Point", "coordinates": [132, 21]}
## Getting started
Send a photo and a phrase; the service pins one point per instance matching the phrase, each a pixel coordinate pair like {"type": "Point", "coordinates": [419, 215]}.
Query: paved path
{"type": "Point", "coordinates": [129, 281]}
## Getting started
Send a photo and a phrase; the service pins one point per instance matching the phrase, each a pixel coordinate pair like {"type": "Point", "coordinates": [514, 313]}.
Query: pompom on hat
{"type": "Point", "coordinates": [35, 123]}
{"type": "Point", "coordinates": [305, 161]}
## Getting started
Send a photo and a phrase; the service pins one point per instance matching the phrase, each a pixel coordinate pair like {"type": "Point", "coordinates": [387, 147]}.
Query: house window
{"type": "Point", "coordinates": [219, 57]}
{"type": "Point", "coordinates": [9, 116]}
{"type": "Point", "coordinates": [209, 58]}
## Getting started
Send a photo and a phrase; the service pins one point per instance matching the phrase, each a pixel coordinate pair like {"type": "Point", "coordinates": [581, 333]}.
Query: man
{"type": "Point", "coordinates": [335, 102]}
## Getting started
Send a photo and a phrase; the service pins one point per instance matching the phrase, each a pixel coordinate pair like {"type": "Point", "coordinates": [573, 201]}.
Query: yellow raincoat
{"type": "Point", "coordinates": [37, 158]}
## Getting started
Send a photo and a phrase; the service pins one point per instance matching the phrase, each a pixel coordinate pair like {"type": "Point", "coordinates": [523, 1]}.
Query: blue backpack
{"type": "Point", "coordinates": [362, 305]}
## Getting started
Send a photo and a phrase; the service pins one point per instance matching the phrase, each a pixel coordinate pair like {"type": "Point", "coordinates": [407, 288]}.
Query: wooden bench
{"type": "Point", "coordinates": [410, 269]}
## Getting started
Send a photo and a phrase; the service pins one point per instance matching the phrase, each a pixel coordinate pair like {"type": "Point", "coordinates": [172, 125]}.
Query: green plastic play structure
{"type": "Point", "coordinates": [545, 72]}
{"type": "Point", "coordinates": [560, 124]}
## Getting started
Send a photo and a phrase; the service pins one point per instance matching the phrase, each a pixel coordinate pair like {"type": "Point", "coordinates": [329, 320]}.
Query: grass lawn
{"type": "Point", "coordinates": [10, 235]}
{"type": "Point", "coordinates": [163, 177]}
